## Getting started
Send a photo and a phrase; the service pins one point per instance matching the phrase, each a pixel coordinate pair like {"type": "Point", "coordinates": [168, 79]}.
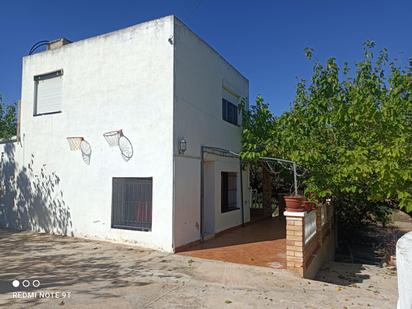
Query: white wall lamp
{"type": "Point", "coordinates": [182, 145]}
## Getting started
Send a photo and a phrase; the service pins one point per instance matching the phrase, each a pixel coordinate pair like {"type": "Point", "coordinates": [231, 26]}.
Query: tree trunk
{"type": "Point", "coordinates": [267, 192]}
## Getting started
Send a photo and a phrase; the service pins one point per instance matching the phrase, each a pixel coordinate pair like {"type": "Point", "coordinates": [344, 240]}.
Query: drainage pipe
{"type": "Point", "coordinates": [202, 157]}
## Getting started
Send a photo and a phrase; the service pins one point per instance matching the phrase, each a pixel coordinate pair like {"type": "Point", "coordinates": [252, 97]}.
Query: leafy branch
{"type": "Point", "coordinates": [350, 128]}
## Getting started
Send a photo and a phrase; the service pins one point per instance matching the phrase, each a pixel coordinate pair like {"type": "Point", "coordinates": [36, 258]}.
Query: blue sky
{"type": "Point", "coordinates": [263, 39]}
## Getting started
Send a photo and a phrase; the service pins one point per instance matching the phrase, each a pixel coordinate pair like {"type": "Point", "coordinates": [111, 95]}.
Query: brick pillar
{"type": "Point", "coordinates": [319, 234]}
{"type": "Point", "coordinates": [295, 230]}
{"type": "Point", "coordinates": [267, 192]}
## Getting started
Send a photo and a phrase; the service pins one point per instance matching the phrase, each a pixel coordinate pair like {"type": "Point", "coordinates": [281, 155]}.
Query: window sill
{"type": "Point", "coordinates": [229, 210]}
{"type": "Point", "coordinates": [233, 124]}
{"type": "Point", "coordinates": [45, 114]}
{"type": "Point", "coordinates": [131, 228]}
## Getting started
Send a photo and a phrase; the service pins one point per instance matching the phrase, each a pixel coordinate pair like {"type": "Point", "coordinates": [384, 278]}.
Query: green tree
{"type": "Point", "coordinates": [351, 132]}
{"type": "Point", "coordinates": [8, 122]}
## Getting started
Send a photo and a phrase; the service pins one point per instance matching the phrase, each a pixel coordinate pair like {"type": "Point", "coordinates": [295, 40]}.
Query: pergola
{"type": "Point", "coordinates": [231, 154]}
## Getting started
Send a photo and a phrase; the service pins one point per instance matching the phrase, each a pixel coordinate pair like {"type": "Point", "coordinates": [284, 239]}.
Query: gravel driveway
{"type": "Point", "coordinates": [79, 273]}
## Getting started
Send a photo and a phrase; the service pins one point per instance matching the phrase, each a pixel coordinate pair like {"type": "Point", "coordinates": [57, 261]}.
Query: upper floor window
{"type": "Point", "coordinates": [229, 112]}
{"type": "Point", "coordinates": [48, 93]}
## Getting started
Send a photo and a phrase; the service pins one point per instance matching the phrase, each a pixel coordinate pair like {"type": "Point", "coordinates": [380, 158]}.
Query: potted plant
{"type": "Point", "coordinates": [312, 203]}
{"type": "Point", "coordinates": [294, 203]}
{"type": "Point", "coordinates": [307, 205]}
{"type": "Point", "coordinates": [313, 206]}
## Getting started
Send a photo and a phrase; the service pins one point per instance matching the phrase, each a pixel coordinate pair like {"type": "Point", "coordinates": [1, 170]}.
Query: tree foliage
{"type": "Point", "coordinates": [350, 129]}
{"type": "Point", "coordinates": [8, 122]}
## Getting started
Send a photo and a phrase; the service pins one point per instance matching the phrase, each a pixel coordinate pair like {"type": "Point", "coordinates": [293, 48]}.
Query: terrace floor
{"type": "Point", "coordinates": [260, 243]}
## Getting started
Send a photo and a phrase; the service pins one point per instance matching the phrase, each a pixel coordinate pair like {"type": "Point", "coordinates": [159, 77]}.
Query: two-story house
{"type": "Point", "coordinates": [168, 96]}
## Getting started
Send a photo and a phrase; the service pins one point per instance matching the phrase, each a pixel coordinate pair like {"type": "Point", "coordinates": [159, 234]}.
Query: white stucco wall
{"type": "Point", "coordinates": [200, 74]}
{"type": "Point", "coordinates": [187, 211]}
{"type": "Point", "coordinates": [156, 92]}
{"type": "Point", "coordinates": [232, 218]}
{"type": "Point", "coordinates": [121, 80]}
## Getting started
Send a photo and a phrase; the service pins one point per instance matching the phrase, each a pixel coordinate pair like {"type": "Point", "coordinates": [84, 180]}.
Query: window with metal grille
{"type": "Point", "coordinates": [229, 112]}
{"type": "Point", "coordinates": [228, 192]}
{"type": "Point", "coordinates": [132, 203]}
{"type": "Point", "coordinates": [48, 93]}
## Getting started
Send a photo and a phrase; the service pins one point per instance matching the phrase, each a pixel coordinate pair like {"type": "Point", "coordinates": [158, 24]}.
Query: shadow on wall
{"type": "Point", "coordinates": [30, 200]}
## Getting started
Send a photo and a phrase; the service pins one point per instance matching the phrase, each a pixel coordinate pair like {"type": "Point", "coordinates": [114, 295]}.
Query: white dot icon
{"type": "Point", "coordinates": [16, 283]}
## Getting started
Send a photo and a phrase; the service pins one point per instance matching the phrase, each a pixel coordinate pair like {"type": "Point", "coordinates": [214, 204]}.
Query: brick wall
{"type": "Point", "coordinates": [306, 258]}
{"type": "Point", "coordinates": [295, 243]}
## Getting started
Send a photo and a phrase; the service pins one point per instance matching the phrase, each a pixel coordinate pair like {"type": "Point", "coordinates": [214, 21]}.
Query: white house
{"type": "Point", "coordinates": [175, 100]}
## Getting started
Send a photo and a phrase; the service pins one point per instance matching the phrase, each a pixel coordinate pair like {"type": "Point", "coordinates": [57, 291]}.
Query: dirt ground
{"type": "Point", "coordinates": [105, 275]}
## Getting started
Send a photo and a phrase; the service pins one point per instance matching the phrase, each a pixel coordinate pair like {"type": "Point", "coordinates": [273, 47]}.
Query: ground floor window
{"type": "Point", "coordinates": [228, 191]}
{"type": "Point", "coordinates": [132, 203]}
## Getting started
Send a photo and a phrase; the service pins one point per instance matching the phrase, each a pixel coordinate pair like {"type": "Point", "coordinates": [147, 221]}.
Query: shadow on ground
{"type": "Point", "coordinates": [373, 245]}
{"type": "Point", "coordinates": [60, 263]}
{"type": "Point", "coordinates": [261, 243]}
{"type": "Point", "coordinates": [344, 274]}
{"type": "Point", "coordinates": [268, 229]}
{"type": "Point", "coordinates": [107, 275]}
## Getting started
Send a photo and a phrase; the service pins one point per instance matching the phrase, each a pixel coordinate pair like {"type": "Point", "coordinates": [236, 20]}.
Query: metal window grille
{"type": "Point", "coordinates": [132, 203]}
{"type": "Point", "coordinates": [229, 112]}
{"type": "Point", "coordinates": [310, 225]}
{"type": "Point", "coordinates": [229, 191]}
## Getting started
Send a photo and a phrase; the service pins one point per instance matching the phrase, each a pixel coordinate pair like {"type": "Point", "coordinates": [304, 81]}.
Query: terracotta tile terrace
{"type": "Point", "coordinates": [260, 243]}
